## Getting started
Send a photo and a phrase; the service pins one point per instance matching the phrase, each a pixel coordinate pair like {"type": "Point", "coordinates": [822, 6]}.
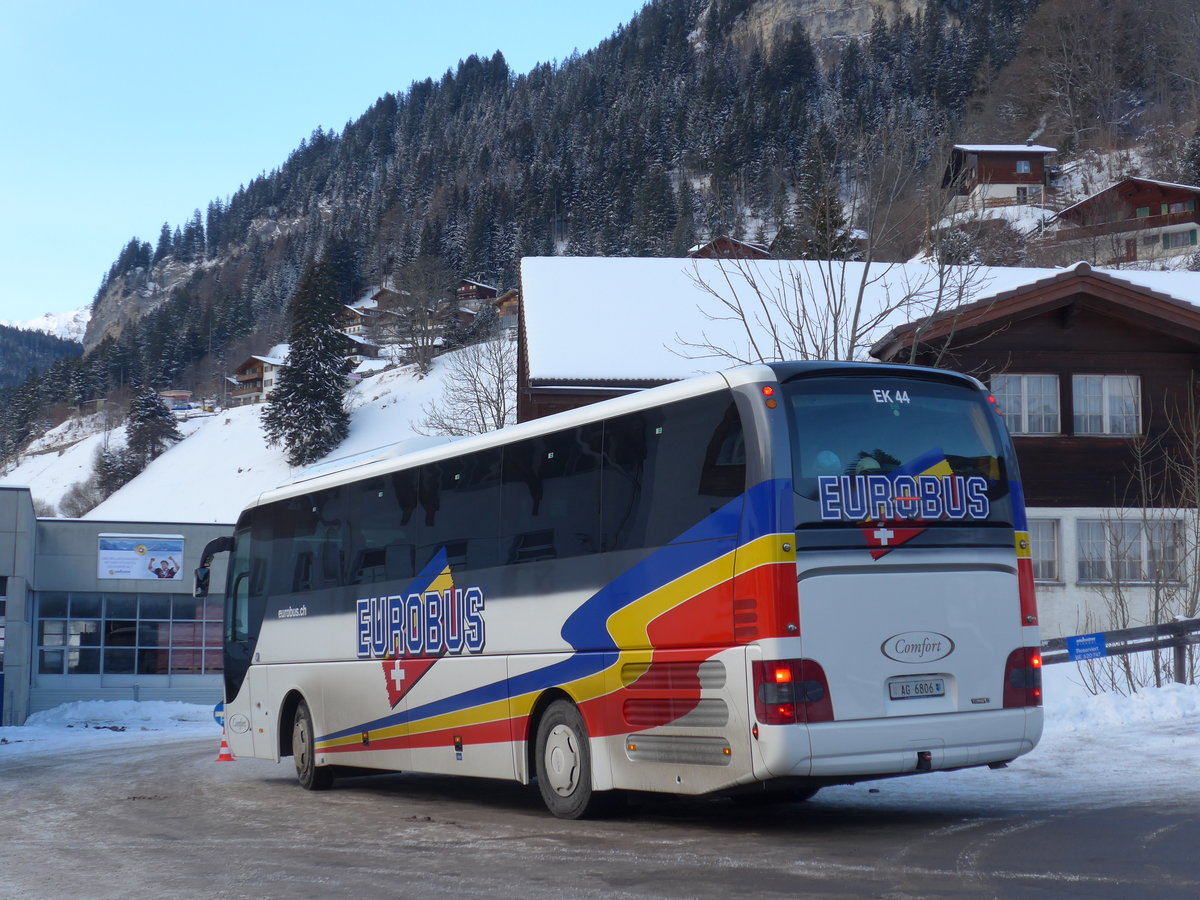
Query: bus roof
{"type": "Point", "coordinates": [410, 453]}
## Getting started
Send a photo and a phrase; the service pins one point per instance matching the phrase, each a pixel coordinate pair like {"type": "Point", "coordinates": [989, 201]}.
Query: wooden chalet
{"type": "Point", "coordinates": [254, 379]}
{"type": "Point", "coordinates": [473, 293]}
{"type": "Point", "coordinates": [991, 175]}
{"type": "Point", "coordinates": [729, 248]}
{"type": "Point", "coordinates": [1137, 219]}
{"type": "Point", "coordinates": [1088, 368]}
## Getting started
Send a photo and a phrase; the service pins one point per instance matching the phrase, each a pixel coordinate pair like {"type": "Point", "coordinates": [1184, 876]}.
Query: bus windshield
{"type": "Point", "coordinates": [894, 448]}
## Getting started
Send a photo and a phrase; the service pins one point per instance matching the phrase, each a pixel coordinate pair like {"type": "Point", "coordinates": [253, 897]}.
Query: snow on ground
{"type": "Point", "coordinates": [223, 463]}
{"type": "Point", "coordinates": [1096, 751]}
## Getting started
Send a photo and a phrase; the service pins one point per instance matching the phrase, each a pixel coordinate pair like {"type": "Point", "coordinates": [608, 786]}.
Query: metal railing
{"type": "Point", "coordinates": [1175, 636]}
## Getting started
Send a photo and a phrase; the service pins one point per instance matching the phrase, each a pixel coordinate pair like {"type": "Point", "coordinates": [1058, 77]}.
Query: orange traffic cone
{"type": "Point", "coordinates": [225, 755]}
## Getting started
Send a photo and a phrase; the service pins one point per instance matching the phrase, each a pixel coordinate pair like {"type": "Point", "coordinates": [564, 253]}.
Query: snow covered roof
{"type": "Point", "coordinates": [609, 320]}
{"type": "Point", "coordinates": [1005, 148]}
{"type": "Point", "coordinates": [276, 356]}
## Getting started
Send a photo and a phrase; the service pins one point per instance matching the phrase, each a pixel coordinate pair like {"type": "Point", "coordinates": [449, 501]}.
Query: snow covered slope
{"type": "Point", "coordinates": [223, 461]}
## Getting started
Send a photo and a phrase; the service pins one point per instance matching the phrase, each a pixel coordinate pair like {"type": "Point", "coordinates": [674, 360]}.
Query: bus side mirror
{"type": "Point", "coordinates": [200, 586]}
{"type": "Point", "coordinates": [221, 544]}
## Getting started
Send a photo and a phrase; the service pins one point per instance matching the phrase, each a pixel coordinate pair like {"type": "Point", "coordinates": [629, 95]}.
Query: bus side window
{"type": "Point", "coordinates": [551, 495]}
{"type": "Point", "coordinates": [462, 502]}
{"type": "Point", "coordinates": [665, 470]}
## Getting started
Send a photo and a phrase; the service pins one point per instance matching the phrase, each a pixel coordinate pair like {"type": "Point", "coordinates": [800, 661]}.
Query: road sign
{"type": "Point", "coordinates": [219, 714]}
{"type": "Point", "coordinates": [1086, 646]}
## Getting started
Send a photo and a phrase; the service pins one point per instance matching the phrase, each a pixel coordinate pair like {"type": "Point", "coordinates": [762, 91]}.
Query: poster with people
{"type": "Point", "coordinates": [154, 556]}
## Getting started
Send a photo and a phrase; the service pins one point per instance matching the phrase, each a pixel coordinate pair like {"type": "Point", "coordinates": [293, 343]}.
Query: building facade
{"type": "Point", "coordinates": [985, 176]}
{"type": "Point", "coordinates": [1096, 376]}
{"type": "Point", "coordinates": [1134, 220]}
{"type": "Point", "coordinates": [95, 610]}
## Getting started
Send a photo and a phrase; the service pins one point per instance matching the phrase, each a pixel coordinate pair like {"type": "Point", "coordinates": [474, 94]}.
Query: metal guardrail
{"type": "Point", "coordinates": [1175, 636]}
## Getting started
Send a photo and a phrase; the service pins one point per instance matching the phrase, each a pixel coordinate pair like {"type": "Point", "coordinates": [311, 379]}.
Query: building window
{"type": "Point", "coordinates": [1022, 196]}
{"type": "Point", "coordinates": [128, 634]}
{"type": "Point", "coordinates": [1043, 542]}
{"type": "Point", "coordinates": [1029, 403]}
{"type": "Point", "coordinates": [1123, 551]}
{"type": "Point", "coordinates": [1142, 212]}
{"type": "Point", "coordinates": [1023, 167]}
{"type": "Point", "coordinates": [1178, 239]}
{"type": "Point", "coordinates": [1107, 404]}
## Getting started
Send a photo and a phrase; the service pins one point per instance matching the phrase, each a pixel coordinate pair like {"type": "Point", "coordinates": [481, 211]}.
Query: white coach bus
{"type": "Point", "coordinates": [767, 580]}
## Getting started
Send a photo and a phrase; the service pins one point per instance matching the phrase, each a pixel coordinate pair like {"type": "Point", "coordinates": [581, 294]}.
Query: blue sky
{"type": "Point", "coordinates": [122, 114]}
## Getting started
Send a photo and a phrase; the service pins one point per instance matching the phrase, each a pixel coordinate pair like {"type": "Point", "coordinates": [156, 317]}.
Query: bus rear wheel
{"type": "Point", "coordinates": [311, 776]}
{"type": "Point", "coordinates": [564, 764]}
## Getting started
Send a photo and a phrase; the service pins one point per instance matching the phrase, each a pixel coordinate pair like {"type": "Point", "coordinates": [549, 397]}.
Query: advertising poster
{"type": "Point", "coordinates": [152, 556]}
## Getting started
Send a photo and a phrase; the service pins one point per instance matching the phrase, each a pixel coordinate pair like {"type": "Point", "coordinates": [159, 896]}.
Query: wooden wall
{"type": "Point", "coordinates": [1085, 470]}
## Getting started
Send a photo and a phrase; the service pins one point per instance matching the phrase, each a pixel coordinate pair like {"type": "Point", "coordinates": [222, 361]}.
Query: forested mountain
{"type": "Point", "coordinates": [698, 118]}
{"type": "Point", "coordinates": [24, 351]}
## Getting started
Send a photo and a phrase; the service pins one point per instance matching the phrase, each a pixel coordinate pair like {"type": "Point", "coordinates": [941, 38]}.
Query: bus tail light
{"type": "Point", "coordinates": [787, 691]}
{"type": "Point", "coordinates": [1023, 678]}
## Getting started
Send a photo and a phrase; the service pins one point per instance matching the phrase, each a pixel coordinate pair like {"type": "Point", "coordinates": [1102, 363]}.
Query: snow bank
{"type": "Point", "coordinates": [1096, 750]}
{"type": "Point", "coordinates": [94, 724]}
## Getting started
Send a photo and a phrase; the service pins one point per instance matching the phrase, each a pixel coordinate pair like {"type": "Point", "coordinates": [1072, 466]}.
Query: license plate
{"type": "Point", "coordinates": [915, 688]}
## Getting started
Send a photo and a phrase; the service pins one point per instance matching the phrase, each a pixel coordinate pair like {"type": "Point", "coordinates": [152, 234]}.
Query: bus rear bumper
{"type": "Point", "coordinates": [896, 746]}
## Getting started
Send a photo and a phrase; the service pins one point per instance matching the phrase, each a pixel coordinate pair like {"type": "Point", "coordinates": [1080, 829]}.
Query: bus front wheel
{"type": "Point", "coordinates": [311, 776]}
{"type": "Point", "coordinates": [564, 763]}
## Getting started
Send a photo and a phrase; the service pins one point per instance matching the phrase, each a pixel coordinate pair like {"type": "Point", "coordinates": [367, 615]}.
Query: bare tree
{"type": "Point", "coordinates": [479, 393]}
{"type": "Point", "coordinates": [835, 308]}
{"type": "Point", "coordinates": [425, 288]}
{"type": "Point", "coordinates": [1149, 551]}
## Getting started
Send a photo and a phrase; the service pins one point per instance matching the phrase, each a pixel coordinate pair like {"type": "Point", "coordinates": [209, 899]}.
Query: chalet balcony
{"type": "Point", "coordinates": [250, 378]}
{"type": "Point", "coordinates": [1123, 226]}
{"type": "Point", "coordinates": [247, 388]}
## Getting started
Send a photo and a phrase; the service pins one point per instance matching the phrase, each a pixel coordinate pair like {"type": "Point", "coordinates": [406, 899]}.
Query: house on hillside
{"type": "Point", "coordinates": [359, 319]}
{"type": "Point", "coordinates": [254, 378]}
{"type": "Point", "coordinates": [729, 248]}
{"type": "Point", "coordinates": [1134, 220]}
{"type": "Point", "coordinates": [472, 294]}
{"type": "Point", "coordinates": [507, 307]}
{"type": "Point", "coordinates": [176, 399]}
{"type": "Point", "coordinates": [1094, 372]}
{"type": "Point", "coordinates": [984, 176]}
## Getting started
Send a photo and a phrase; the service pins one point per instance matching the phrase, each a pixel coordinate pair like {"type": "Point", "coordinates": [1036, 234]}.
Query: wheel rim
{"type": "Point", "coordinates": [300, 743]}
{"type": "Point", "coordinates": [562, 760]}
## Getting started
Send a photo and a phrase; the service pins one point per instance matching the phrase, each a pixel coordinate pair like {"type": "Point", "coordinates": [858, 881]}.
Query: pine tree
{"type": "Point", "coordinates": [164, 243]}
{"type": "Point", "coordinates": [149, 428]}
{"type": "Point", "coordinates": [306, 412]}
{"type": "Point", "coordinates": [821, 231]}
{"type": "Point", "coordinates": [112, 470]}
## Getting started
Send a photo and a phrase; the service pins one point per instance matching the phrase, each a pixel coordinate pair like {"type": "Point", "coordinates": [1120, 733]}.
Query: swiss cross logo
{"type": "Point", "coordinates": [883, 538]}
{"type": "Point", "coordinates": [401, 674]}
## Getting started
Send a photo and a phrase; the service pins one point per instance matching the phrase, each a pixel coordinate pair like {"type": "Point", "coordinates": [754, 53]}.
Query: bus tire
{"type": "Point", "coordinates": [564, 763]}
{"type": "Point", "coordinates": [311, 776]}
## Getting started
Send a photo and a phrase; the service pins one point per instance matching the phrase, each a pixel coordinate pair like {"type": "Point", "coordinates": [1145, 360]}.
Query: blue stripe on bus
{"type": "Point", "coordinates": [586, 629]}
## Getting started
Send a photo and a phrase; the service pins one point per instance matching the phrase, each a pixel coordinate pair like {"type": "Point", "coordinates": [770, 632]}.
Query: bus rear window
{"type": "Point", "coordinates": [895, 449]}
